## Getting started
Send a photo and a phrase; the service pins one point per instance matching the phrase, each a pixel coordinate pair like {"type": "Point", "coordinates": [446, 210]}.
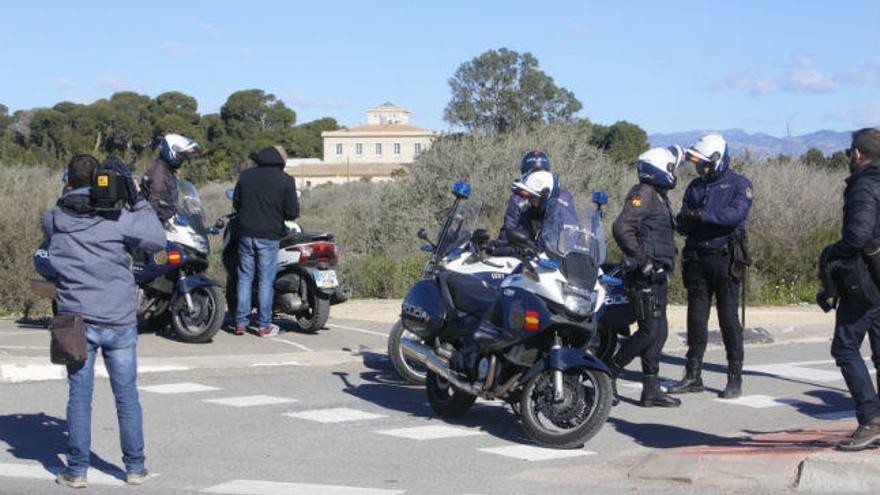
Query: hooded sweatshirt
{"type": "Point", "coordinates": [265, 196]}
{"type": "Point", "coordinates": [91, 253]}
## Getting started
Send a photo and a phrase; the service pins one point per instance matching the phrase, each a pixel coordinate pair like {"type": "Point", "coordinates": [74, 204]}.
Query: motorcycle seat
{"type": "Point", "coordinates": [469, 294]}
{"type": "Point", "coordinates": [304, 237]}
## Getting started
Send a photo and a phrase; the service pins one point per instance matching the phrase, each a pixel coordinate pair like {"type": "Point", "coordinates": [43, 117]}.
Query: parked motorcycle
{"type": "Point", "coordinates": [172, 285]}
{"type": "Point", "coordinates": [524, 343]}
{"type": "Point", "coordinates": [306, 283]}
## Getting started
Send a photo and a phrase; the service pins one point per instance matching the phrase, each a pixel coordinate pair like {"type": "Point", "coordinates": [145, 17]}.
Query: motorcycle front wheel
{"type": "Point", "coordinates": [409, 370]}
{"type": "Point", "coordinates": [571, 422]}
{"type": "Point", "coordinates": [203, 322]}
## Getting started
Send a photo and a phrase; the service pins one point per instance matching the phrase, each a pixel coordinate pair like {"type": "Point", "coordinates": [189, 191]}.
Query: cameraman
{"type": "Point", "coordinates": [91, 251]}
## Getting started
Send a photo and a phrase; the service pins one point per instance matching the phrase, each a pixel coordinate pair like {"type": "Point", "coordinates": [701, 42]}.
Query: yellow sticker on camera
{"type": "Point", "coordinates": [103, 181]}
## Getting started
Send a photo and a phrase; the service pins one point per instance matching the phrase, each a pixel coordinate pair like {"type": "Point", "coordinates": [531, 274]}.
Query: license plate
{"type": "Point", "coordinates": [326, 279]}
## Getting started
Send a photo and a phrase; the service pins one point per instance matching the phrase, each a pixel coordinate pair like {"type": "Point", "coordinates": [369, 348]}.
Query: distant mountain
{"type": "Point", "coordinates": [763, 145]}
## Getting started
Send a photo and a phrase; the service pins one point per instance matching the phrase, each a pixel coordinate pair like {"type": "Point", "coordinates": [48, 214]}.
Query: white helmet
{"type": "Point", "coordinates": [539, 184]}
{"type": "Point", "coordinates": [709, 155]}
{"type": "Point", "coordinates": [657, 166]}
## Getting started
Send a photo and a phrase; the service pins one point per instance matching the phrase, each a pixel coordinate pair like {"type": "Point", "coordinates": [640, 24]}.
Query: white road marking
{"type": "Point", "coordinates": [17, 373]}
{"type": "Point", "coordinates": [361, 330]}
{"type": "Point", "coordinates": [281, 363]}
{"type": "Point", "coordinates": [836, 415]}
{"type": "Point", "coordinates": [178, 388]}
{"type": "Point", "coordinates": [335, 415]}
{"type": "Point", "coordinates": [27, 332]}
{"type": "Point", "coordinates": [295, 344]}
{"type": "Point", "coordinates": [250, 401]}
{"type": "Point", "coordinates": [433, 432]}
{"type": "Point", "coordinates": [761, 401]}
{"type": "Point", "coordinates": [101, 370]}
{"type": "Point", "coordinates": [664, 384]}
{"type": "Point", "coordinates": [254, 487]}
{"type": "Point", "coordinates": [38, 472]}
{"type": "Point", "coordinates": [798, 371]}
{"type": "Point", "coordinates": [24, 347]}
{"type": "Point", "coordinates": [533, 453]}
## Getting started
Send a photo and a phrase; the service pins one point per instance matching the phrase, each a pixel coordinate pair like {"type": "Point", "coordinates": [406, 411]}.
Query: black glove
{"type": "Point", "coordinates": [646, 265]}
{"type": "Point", "coordinates": [691, 216]}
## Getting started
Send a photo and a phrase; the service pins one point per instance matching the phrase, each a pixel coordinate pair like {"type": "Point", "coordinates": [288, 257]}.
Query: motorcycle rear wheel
{"type": "Point", "coordinates": [446, 400]}
{"type": "Point", "coordinates": [314, 318]}
{"type": "Point", "coordinates": [204, 322]}
{"type": "Point", "coordinates": [571, 423]}
{"type": "Point", "coordinates": [409, 370]}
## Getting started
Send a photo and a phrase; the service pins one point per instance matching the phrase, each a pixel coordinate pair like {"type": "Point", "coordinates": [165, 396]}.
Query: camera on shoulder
{"type": "Point", "coordinates": [112, 186]}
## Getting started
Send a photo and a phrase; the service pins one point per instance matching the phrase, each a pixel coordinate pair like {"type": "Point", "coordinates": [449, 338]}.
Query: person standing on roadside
{"type": "Point", "coordinates": [713, 217]}
{"type": "Point", "coordinates": [264, 197]}
{"type": "Point", "coordinates": [91, 255]}
{"type": "Point", "coordinates": [858, 312]}
{"type": "Point", "coordinates": [645, 232]}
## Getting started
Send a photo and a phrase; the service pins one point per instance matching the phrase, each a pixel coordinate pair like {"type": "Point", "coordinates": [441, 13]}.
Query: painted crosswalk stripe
{"type": "Point", "coordinates": [761, 401]}
{"type": "Point", "coordinates": [250, 401]}
{"type": "Point", "coordinates": [178, 388]}
{"type": "Point", "coordinates": [533, 453]}
{"type": "Point", "coordinates": [39, 472]}
{"type": "Point", "coordinates": [798, 371]}
{"type": "Point", "coordinates": [335, 415]}
{"type": "Point", "coordinates": [835, 415]}
{"type": "Point", "coordinates": [254, 487]}
{"type": "Point", "coordinates": [432, 432]}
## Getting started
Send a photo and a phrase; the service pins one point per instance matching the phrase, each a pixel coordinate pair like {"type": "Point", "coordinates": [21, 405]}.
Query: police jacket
{"type": "Point", "coordinates": [159, 186]}
{"type": "Point", "coordinates": [719, 209]}
{"type": "Point", "coordinates": [861, 205]}
{"type": "Point", "coordinates": [91, 255]}
{"type": "Point", "coordinates": [265, 196]}
{"type": "Point", "coordinates": [521, 215]}
{"type": "Point", "coordinates": [645, 228]}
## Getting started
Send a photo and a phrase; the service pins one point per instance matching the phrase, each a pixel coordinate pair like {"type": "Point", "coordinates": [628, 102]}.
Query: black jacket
{"type": "Point", "coordinates": [159, 186]}
{"type": "Point", "coordinates": [265, 196]}
{"type": "Point", "coordinates": [645, 227]}
{"type": "Point", "coordinates": [861, 205]}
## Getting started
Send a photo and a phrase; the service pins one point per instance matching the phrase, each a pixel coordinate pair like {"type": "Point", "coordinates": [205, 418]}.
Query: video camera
{"type": "Point", "coordinates": [113, 187]}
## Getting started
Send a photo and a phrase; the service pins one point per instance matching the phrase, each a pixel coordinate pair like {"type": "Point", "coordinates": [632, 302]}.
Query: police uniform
{"type": "Point", "coordinates": [713, 215]}
{"type": "Point", "coordinates": [644, 230]}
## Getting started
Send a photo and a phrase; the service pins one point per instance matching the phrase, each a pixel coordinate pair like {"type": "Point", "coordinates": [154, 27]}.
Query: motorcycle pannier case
{"type": "Point", "coordinates": [423, 311]}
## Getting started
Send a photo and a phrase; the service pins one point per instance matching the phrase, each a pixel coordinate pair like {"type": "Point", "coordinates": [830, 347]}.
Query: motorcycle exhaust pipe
{"type": "Point", "coordinates": [438, 365]}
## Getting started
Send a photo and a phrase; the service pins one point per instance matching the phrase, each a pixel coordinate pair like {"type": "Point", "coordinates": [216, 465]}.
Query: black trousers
{"type": "Point", "coordinates": [649, 339]}
{"type": "Point", "coordinates": [707, 276]}
{"type": "Point", "coordinates": [853, 322]}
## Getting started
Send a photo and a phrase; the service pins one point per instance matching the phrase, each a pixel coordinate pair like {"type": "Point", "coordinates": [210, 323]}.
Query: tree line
{"type": "Point", "coordinates": [130, 125]}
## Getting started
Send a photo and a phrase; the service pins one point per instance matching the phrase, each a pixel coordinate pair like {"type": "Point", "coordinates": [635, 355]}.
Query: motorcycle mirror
{"type": "Point", "coordinates": [600, 198]}
{"type": "Point", "coordinates": [213, 230]}
{"type": "Point", "coordinates": [480, 236]}
{"type": "Point", "coordinates": [219, 224]}
{"type": "Point", "coordinates": [423, 235]}
{"type": "Point", "coordinates": [230, 193]}
{"type": "Point", "coordinates": [518, 237]}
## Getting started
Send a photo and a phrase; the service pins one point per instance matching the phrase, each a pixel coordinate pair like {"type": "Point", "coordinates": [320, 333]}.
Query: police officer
{"type": "Point", "coordinates": [159, 184]}
{"type": "Point", "coordinates": [859, 313]}
{"type": "Point", "coordinates": [645, 231]}
{"type": "Point", "coordinates": [713, 217]}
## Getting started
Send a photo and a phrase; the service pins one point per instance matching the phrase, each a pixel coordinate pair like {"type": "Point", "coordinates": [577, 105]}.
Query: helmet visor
{"type": "Point", "coordinates": [702, 164]}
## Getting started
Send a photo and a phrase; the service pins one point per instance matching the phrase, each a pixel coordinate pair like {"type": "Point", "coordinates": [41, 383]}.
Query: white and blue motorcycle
{"type": "Point", "coordinates": [523, 342]}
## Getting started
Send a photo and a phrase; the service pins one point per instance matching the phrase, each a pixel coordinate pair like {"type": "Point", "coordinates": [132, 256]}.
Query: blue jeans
{"type": "Point", "coordinates": [850, 327]}
{"type": "Point", "coordinates": [119, 348]}
{"type": "Point", "coordinates": [260, 255]}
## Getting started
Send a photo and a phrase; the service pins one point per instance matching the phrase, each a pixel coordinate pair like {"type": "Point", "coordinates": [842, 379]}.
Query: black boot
{"type": "Point", "coordinates": [692, 381]}
{"type": "Point", "coordinates": [734, 381]}
{"type": "Point", "coordinates": [653, 396]}
{"type": "Point", "coordinates": [615, 371]}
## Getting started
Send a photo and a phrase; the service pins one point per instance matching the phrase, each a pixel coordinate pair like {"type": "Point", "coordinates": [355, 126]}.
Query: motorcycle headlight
{"type": "Point", "coordinates": [579, 302]}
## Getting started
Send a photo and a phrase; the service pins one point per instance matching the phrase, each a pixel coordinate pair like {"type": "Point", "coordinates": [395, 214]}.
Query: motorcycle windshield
{"type": "Point", "coordinates": [572, 228]}
{"type": "Point", "coordinates": [189, 206]}
{"type": "Point", "coordinates": [459, 225]}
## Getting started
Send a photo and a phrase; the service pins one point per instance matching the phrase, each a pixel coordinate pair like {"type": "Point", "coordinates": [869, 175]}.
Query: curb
{"type": "Point", "coordinates": [839, 472]}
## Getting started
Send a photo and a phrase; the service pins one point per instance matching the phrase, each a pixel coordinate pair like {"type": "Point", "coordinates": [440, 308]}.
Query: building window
{"type": "Point", "coordinates": [378, 149]}
{"type": "Point", "coordinates": [359, 149]}
{"type": "Point", "coordinates": [418, 149]}
{"type": "Point", "coordinates": [397, 149]}
{"type": "Point", "coordinates": [338, 150]}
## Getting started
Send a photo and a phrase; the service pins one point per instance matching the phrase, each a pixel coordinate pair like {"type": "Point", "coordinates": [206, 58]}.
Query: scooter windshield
{"type": "Point", "coordinates": [459, 225]}
{"type": "Point", "coordinates": [572, 228]}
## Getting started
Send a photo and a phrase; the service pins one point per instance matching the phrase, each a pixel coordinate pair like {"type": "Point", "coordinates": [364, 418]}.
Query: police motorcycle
{"type": "Point", "coordinates": [523, 343]}
{"type": "Point", "coordinates": [466, 256]}
{"type": "Point", "coordinates": [172, 284]}
{"type": "Point", "coordinates": [306, 283]}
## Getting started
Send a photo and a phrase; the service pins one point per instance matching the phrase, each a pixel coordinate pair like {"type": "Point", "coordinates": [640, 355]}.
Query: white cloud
{"type": "Point", "coordinates": [800, 76]}
{"type": "Point", "coordinates": [746, 82]}
{"type": "Point", "coordinates": [862, 115]}
{"type": "Point", "coordinates": [578, 29]}
{"type": "Point", "coordinates": [174, 49]}
{"type": "Point", "coordinates": [64, 83]}
{"type": "Point", "coordinates": [208, 28]}
{"type": "Point", "coordinates": [110, 82]}
{"type": "Point", "coordinates": [811, 80]}
{"type": "Point", "coordinates": [305, 101]}
{"type": "Point", "coordinates": [245, 52]}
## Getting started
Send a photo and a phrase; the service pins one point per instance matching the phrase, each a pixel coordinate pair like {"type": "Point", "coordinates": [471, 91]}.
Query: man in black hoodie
{"type": "Point", "coordinates": [264, 198]}
{"type": "Point", "coordinates": [855, 318]}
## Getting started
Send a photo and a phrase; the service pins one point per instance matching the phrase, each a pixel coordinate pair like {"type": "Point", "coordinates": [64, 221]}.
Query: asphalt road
{"type": "Point", "coordinates": [325, 413]}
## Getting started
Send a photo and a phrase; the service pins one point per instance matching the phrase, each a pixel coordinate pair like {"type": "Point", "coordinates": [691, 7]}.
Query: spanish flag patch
{"type": "Point", "coordinates": [636, 201]}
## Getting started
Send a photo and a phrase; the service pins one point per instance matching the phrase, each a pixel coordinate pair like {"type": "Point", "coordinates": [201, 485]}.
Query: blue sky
{"type": "Point", "coordinates": [667, 66]}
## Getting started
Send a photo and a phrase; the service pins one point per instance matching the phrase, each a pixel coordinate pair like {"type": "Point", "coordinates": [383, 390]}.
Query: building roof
{"type": "Point", "coordinates": [389, 106]}
{"type": "Point", "coordinates": [377, 128]}
{"type": "Point", "coordinates": [342, 170]}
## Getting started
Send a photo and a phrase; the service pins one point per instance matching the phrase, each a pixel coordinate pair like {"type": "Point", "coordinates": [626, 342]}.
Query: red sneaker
{"type": "Point", "coordinates": [240, 330]}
